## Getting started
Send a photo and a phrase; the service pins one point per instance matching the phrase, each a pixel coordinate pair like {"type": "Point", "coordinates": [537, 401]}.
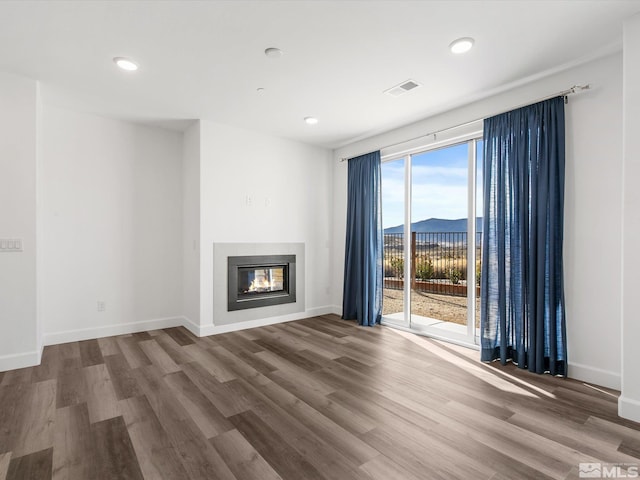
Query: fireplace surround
{"type": "Point", "coordinates": [217, 309]}
{"type": "Point", "coordinates": [260, 280]}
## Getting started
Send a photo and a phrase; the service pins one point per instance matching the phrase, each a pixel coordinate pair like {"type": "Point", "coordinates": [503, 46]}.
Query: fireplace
{"type": "Point", "coordinates": [261, 281]}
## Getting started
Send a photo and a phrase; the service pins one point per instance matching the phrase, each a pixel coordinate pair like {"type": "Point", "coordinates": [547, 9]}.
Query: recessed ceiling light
{"type": "Point", "coordinates": [310, 120]}
{"type": "Point", "coordinates": [461, 45]}
{"type": "Point", "coordinates": [126, 64]}
{"type": "Point", "coordinates": [260, 90]}
{"type": "Point", "coordinates": [273, 52]}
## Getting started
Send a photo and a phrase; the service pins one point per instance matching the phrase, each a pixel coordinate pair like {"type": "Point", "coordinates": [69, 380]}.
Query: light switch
{"type": "Point", "coordinates": [10, 245]}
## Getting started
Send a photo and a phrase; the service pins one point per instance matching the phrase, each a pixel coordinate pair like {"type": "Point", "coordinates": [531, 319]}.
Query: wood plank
{"type": "Point", "coordinates": [5, 459]}
{"type": "Point", "coordinates": [13, 377]}
{"type": "Point", "coordinates": [323, 327]}
{"type": "Point", "coordinates": [203, 462]}
{"type": "Point", "coordinates": [570, 435]}
{"type": "Point", "coordinates": [70, 359]}
{"type": "Point", "coordinates": [383, 468]}
{"type": "Point", "coordinates": [289, 355]}
{"type": "Point", "coordinates": [37, 423]}
{"type": "Point", "coordinates": [254, 362]}
{"type": "Point", "coordinates": [382, 411]}
{"type": "Point", "coordinates": [141, 336]}
{"type": "Point", "coordinates": [158, 357]}
{"type": "Point", "coordinates": [548, 457]}
{"type": "Point", "coordinates": [171, 413]}
{"type": "Point", "coordinates": [73, 455]}
{"type": "Point", "coordinates": [284, 459]}
{"type": "Point", "coordinates": [49, 365]}
{"type": "Point", "coordinates": [630, 446]}
{"type": "Point", "coordinates": [333, 434]}
{"type": "Point", "coordinates": [198, 457]}
{"type": "Point", "coordinates": [324, 457]}
{"type": "Point", "coordinates": [205, 415]}
{"type": "Point", "coordinates": [506, 466]}
{"type": "Point", "coordinates": [71, 389]}
{"type": "Point", "coordinates": [350, 418]}
{"type": "Point", "coordinates": [101, 396]}
{"type": "Point", "coordinates": [243, 460]}
{"type": "Point", "coordinates": [114, 453]}
{"type": "Point", "coordinates": [238, 366]}
{"type": "Point", "coordinates": [124, 382]}
{"type": "Point", "coordinates": [132, 352]}
{"type": "Point", "coordinates": [179, 335]}
{"type": "Point", "coordinates": [173, 349]}
{"type": "Point", "coordinates": [207, 358]}
{"type": "Point", "coordinates": [109, 346]}
{"type": "Point", "coordinates": [34, 466]}
{"type": "Point", "coordinates": [90, 353]}
{"type": "Point", "coordinates": [154, 451]}
{"type": "Point", "coordinates": [236, 343]}
{"type": "Point", "coordinates": [292, 372]}
{"type": "Point", "coordinates": [419, 458]}
{"type": "Point", "coordinates": [217, 393]}
{"type": "Point", "coordinates": [12, 413]}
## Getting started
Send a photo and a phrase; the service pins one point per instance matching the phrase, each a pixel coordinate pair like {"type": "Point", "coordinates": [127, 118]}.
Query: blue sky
{"type": "Point", "coordinates": [439, 186]}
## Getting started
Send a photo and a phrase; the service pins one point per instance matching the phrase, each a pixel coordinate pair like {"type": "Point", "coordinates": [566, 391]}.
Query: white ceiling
{"type": "Point", "coordinates": [205, 59]}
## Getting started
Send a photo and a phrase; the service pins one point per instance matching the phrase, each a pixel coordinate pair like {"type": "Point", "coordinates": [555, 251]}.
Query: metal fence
{"type": "Point", "coordinates": [438, 262]}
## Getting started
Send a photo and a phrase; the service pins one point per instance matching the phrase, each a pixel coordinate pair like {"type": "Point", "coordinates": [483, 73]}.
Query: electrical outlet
{"type": "Point", "coordinates": [101, 306]}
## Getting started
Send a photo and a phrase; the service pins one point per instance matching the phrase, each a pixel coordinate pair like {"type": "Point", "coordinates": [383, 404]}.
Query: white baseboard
{"type": "Point", "coordinates": [20, 360]}
{"type": "Point", "coordinates": [597, 376]}
{"type": "Point", "coordinates": [192, 327]}
{"type": "Point", "coordinates": [211, 329]}
{"type": "Point", "coordinates": [336, 309]}
{"type": "Point", "coordinates": [629, 408]}
{"type": "Point", "coordinates": [55, 338]}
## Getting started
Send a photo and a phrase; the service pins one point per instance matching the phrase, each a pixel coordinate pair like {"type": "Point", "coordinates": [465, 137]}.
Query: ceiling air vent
{"type": "Point", "coordinates": [403, 88]}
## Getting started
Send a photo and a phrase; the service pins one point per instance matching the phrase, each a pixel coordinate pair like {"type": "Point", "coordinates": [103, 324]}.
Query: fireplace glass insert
{"type": "Point", "coordinates": [259, 281]}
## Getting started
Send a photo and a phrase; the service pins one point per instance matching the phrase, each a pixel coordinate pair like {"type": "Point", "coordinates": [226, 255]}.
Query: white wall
{"type": "Point", "coordinates": [592, 205]}
{"type": "Point", "coordinates": [191, 224]}
{"type": "Point", "coordinates": [593, 222]}
{"type": "Point", "coordinates": [19, 343]}
{"type": "Point", "coordinates": [112, 225]}
{"type": "Point", "coordinates": [629, 403]}
{"type": "Point", "coordinates": [289, 185]}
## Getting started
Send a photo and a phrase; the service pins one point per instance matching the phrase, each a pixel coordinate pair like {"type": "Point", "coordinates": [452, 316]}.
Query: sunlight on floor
{"type": "Point", "coordinates": [593, 387]}
{"type": "Point", "coordinates": [478, 369]}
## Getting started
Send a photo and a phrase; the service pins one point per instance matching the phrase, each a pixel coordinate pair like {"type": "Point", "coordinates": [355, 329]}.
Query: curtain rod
{"type": "Point", "coordinates": [564, 93]}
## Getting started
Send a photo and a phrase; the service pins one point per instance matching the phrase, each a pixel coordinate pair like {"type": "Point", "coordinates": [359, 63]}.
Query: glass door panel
{"type": "Point", "coordinates": [479, 228]}
{"type": "Point", "coordinates": [439, 203]}
{"type": "Point", "coordinates": [393, 213]}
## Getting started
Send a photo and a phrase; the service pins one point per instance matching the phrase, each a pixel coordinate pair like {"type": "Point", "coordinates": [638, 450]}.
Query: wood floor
{"type": "Point", "coordinates": [306, 400]}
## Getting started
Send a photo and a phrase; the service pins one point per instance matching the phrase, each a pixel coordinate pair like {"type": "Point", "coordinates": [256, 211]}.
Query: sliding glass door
{"type": "Point", "coordinates": [432, 240]}
{"type": "Point", "coordinates": [393, 212]}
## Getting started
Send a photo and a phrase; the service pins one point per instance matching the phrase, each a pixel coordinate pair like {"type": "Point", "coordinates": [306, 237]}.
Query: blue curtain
{"type": "Point", "coordinates": [523, 313]}
{"type": "Point", "coordinates": [362, 294]}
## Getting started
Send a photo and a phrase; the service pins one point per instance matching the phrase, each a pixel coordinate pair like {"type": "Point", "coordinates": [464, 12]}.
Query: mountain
{"type": "Point", "coordinates": [437, 225]}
